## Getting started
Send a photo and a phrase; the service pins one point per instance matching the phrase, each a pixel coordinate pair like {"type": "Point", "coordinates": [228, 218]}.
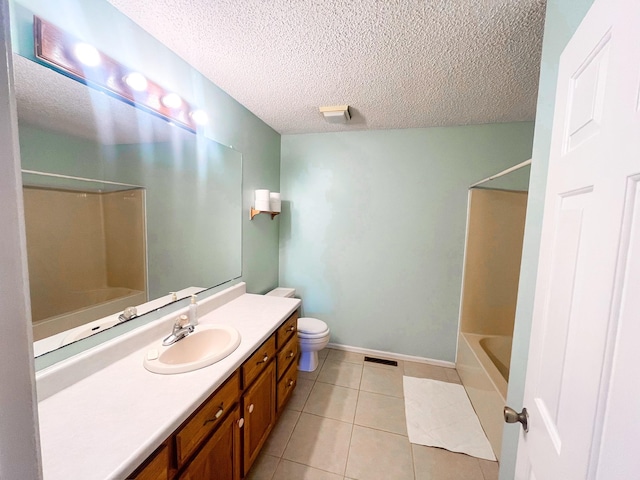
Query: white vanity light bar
{"type": "Point", "coordinates": [80, 60]}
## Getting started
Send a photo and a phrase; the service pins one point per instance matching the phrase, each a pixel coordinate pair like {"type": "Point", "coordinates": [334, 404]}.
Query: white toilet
{"type": "Point", "coordinates": [313, 335]}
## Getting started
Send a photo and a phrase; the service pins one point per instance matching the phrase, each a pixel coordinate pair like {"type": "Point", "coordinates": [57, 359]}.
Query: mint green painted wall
{"type": "Point", "coordinates": [562, 19]}
{"type": "Point", "coordinates": [373, 228]}
{"type": "Point", "coordinates": [231, 124]}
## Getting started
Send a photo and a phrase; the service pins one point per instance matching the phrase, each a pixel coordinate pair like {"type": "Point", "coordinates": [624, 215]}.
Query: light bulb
{"type": "Point", "coordinates": [136, 81]}
{"type": "Point", "coordinates": [87, 54]}
{"type": "Point", "coordinates": [200, 117]}
{"type": "Point", "coordinates": [172, 100]}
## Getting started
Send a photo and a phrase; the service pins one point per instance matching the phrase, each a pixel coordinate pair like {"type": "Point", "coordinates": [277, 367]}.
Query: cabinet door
{"type": "Point", "coordinates": [219, 458]}
{"type": "Point", "coordinates": [259, 412]}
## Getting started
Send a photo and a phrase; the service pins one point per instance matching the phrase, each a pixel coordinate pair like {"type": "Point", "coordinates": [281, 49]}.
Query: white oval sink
{"type": "Point", "coordinates": [207, 345]}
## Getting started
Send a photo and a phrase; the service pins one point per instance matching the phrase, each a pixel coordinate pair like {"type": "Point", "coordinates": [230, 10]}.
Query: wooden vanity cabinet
{"type": "Point", "coordinates": [223, 437]}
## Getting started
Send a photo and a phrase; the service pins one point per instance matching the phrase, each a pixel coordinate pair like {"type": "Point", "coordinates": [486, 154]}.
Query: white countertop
{"type": "Point", "coordinates": [105, 425]}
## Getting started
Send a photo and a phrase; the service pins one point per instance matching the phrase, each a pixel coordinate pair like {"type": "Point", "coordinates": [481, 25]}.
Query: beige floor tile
{"type": "Point", "coordinates": [311, 375]}
{"type": "Point", "coordinates": [424, 370]}
{"type": "Point", "coordinates": [300, 394]}
{"type": "Point", "coordinates": [490, 470]}
{"type": "Point", "coordinates": [279, 436]}
{"type": "Point", "coordinates": [332, 401]}
{"type": "Point", "coordinates": [323, 353]}
{"type": "Point", "coordinates": [376, 455]}
{"type": "Point", "coordinates": [344, 374]}
{"type": "Point", "coordinates": [321, 443]}
{"type": "Point", "coordinates": [342, 356]}
{"type": "Point", "coordinates": [381, 412]}
{"type": "Point", "coordinates": [263, 468]}
{"type": "Point", "coordinates": [431, 463]}
{"type": "Point", "coordinates": [452, 376]}
{"type": "Point", "coordinates": [295, 471]}
{"type": "Point", "coordinates": [382, 380]}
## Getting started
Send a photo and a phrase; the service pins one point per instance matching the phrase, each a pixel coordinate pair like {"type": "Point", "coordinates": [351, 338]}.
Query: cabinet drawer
{"type": "Point", "coordinates": [258, 361]}
{"type": "Point", "coordinates": [288, 328]}
{"type": "Point", "coordinates": [287, 355]}
{"type": "Point", "coordinates": [286, 385]}
{"type": "Point", "coordinates": [206, 418]}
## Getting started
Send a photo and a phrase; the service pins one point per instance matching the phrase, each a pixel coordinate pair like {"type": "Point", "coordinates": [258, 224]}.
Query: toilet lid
{"type": "Point", "coordinates": [311, 326]}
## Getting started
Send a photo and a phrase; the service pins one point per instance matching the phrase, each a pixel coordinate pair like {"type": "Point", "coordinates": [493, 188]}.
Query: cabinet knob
{"type": "Point", "coordinates": [241, 423]}
{"type": "Point", "coordinates": [291, 354]}
{"type": "Point", "coordinates": [290, 383]}
{"type": "Point", "coordinates": [264, 360]}
{"type": "Point", "coordinates": [219, 412]}
{"type": "Point", "coordinates": [292, 328]}
{"type": "Point", "coordinates": [251, 408]}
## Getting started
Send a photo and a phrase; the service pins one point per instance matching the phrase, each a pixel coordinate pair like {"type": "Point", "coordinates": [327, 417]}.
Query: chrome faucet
{"type": "Point", "coordinates": [128, 314]}
{"type": "Point", "coordinates": [180, 330]}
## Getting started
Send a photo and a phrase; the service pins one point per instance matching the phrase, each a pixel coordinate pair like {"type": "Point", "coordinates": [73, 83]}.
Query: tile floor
{"type": "Point", "coordinates": [346, 421]}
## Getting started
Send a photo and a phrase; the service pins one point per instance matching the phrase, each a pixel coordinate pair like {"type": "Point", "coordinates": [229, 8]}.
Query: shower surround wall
{"type": "Point", "coordinates": [84, 248]}
{"type": "Point", "coordinates": [490, 287]}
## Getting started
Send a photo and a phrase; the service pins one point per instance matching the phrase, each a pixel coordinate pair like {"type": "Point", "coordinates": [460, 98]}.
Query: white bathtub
{"type": "Point", "coordinates": [91, 305]}
{"type": "Point", "coordinates": [483, 366]}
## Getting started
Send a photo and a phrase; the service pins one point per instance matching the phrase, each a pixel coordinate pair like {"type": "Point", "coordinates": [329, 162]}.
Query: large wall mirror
{"type": "Point", "coordinates": [121, 208]}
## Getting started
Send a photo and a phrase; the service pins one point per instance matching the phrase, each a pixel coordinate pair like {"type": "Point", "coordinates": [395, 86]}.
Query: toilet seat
{"type": "Point", "coordinates": [310, 328]}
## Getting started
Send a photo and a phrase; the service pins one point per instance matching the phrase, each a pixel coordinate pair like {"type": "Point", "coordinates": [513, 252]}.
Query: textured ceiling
{"type": "Point", "coordinates": [398, 63]}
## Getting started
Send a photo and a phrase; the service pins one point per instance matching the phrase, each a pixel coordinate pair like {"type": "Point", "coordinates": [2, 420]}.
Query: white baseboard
{"type": "Point", "coordinates": [392, 356]}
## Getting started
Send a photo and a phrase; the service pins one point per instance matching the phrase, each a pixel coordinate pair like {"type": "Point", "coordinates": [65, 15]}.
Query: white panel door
{"type": "Point", "coordinates": [582, 357]}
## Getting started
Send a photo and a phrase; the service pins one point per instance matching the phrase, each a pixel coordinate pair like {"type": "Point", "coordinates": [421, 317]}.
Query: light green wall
{"type": "Point", "coordinates": [231, 124]}
{"type": "Point", "coordinates": [373, 228]}
{"type": "Point", "coordinates": [562, 19]}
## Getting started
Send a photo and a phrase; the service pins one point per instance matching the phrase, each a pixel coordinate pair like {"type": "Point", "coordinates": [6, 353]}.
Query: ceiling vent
{"type": "Point", "coordinates": [337, 114]}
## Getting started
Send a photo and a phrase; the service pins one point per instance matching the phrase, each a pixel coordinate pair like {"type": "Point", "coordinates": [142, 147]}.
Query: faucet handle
{"type": "Point", "coordinates": [182, 321]}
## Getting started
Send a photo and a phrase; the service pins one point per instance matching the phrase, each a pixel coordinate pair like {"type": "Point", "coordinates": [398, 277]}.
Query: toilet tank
{"type": "Point", "coordinates": [282, 292]}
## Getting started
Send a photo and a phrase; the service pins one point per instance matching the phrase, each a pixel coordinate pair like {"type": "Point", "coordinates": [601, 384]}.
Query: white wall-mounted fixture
{"type": "Point", "coordinates": [336, 114]}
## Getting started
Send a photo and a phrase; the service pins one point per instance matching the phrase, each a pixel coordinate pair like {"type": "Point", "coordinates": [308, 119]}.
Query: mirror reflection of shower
{"type": "Point", "coordinates": [86, 249]}
{"type": "Point", "coordinates": [493, 251]}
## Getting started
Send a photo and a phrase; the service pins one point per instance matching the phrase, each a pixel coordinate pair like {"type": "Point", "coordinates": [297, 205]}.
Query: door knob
{"type": "Point", "coordinates": [511, 416]}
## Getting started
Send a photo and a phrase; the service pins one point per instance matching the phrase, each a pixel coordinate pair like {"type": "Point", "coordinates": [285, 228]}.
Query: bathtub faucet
{"type": "Point", "coordinates": [128, 314]}
{"type": "Point", "coordinates": [181, 329]}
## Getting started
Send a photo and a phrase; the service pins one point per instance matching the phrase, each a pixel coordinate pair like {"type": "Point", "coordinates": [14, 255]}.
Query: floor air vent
{"type": "Point", "coordinates": [393, 363]}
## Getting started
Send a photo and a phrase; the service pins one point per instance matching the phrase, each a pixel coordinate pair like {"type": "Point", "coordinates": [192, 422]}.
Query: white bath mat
{"type": "Point", "coordinates": [439, 414]}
